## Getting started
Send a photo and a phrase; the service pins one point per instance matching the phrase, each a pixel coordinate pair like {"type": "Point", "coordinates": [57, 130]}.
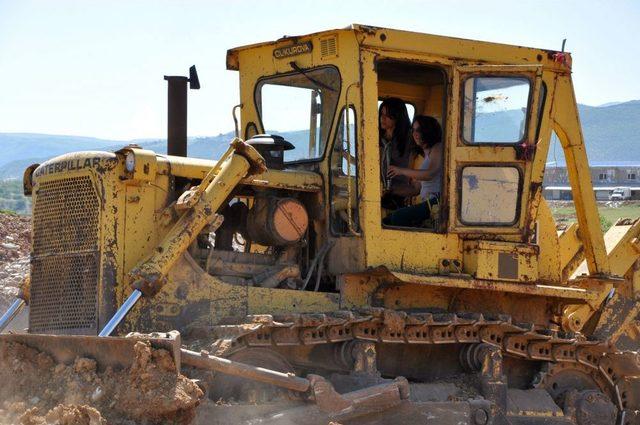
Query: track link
{"type": "Point", "coordinates": [522, 340]}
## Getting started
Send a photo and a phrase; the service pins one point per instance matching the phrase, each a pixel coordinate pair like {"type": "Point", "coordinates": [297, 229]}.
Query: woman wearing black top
{"type": "Point", "coordinates": [396, 150]}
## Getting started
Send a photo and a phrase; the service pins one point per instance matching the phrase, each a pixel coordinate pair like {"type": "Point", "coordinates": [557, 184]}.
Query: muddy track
{"type": "Point", "coordinates": [607, 366]}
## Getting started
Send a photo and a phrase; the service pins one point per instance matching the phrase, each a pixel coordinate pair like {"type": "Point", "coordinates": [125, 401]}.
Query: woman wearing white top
{"type": "Point", "coordinates": [427, 134]}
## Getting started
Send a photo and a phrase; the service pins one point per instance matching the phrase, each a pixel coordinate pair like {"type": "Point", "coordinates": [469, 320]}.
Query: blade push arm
{"type": "Point", "coordinates": [199, 206]}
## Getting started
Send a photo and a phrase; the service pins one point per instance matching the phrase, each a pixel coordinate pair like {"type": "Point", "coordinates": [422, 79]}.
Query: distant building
{"type": "Point", "coordinates": [605, 176]}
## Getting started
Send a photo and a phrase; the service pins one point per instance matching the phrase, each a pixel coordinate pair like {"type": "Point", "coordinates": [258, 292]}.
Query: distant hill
{"type": "Point", "coordinates": [27, 149]}
{"type": "Point", "coordinates": [16, 146]}
{"type": "Point", "coordinates": [611, 131]}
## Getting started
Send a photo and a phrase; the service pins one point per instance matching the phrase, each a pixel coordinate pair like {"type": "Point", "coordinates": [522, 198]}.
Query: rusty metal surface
{"type": "Point", "coordinates": [357, 403]}
{"type": "Point", "coordinates": [366, 401]}
{"type": "Point", "coordinates": [277, 221]}
{"type": "Point", "coordinates": [114, 352]}
{"type": "Point", "coordinates": [476, 283]}
{"type": "Point", "coordinates": [205, 361]}
{"type": "Point", "coordinates": [65, 258]}
{"type": "Point", "coordinates": [616, 315]}
{"type": "Point", "coordinates": [589, 407]}
{"type": "Point", "coordinates": [176, 115]}
{"type": "Point", "coordinates": [196, 168]}
{"type": "Point", "coordinates": [467, 282]}
{"type": "Point", "coordinates": [535, 402]}
{"type": "Point", "coordinates": [149, 275]}
{"type": "Point", "coordinates": [379, 325]}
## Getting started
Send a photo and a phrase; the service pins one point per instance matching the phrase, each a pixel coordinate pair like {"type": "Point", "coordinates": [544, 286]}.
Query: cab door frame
{"type": "Point", "coordinates": [397, 249]}
{"type": "Point", "coordinates": [518, 155]}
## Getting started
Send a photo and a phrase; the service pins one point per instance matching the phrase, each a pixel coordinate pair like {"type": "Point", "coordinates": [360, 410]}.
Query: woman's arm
{"type": "Point", "coordinates": [407, 190]}
{"type": "Point", "coordinates": [435, 164]}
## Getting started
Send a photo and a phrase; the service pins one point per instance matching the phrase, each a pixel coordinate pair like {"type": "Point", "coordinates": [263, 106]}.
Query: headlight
{"type": "Point", "coordinates": [130, 162]}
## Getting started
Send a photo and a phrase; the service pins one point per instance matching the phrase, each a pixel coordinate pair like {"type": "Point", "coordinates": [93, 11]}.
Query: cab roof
{"type": "Point", "coordinates": [394, 39]}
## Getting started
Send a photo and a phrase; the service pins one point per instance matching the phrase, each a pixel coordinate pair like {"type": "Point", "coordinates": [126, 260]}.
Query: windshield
{"type": "Point", "coordinates": [300, 107]}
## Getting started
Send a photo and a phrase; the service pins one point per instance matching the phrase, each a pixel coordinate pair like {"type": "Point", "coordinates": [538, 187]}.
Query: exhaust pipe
{"type": "Point", "coordinates": [177, 111]}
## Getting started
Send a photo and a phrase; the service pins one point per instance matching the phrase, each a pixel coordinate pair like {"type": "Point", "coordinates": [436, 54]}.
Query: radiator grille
{"type": "Point", "coordinates": [65, 259]}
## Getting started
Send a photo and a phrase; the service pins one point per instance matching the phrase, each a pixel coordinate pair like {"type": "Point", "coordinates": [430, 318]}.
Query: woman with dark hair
{"type": "Point", "coordinates": [395, 150]}
{"type": "Point", "coordinates": [427, 135]}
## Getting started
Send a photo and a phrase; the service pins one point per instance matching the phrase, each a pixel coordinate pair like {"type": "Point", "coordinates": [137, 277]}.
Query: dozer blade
{"type": "Point", "coordinates": [47, 373]}
{"type": "Point", "coordinates": [114, 352]}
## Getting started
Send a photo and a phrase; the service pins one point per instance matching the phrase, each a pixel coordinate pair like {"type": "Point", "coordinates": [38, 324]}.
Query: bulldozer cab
{"type": "Point", "coordinates": [323, 92]}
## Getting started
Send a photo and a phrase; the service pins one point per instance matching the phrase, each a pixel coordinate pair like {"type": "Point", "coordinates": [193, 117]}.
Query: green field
{"type": "Point", "coordinates": [564, 212]}
{"type": "Point", "coordinates": [12, 198]}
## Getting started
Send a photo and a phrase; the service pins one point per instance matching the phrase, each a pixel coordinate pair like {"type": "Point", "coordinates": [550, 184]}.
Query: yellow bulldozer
{"type": "Point", "coordinates": [289, 290]}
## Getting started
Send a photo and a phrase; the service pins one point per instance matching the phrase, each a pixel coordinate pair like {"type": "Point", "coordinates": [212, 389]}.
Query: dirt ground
{"type": "Point", "coordinates": [37, 391]}
{"type": "Point", "coordinates": [15, 243]}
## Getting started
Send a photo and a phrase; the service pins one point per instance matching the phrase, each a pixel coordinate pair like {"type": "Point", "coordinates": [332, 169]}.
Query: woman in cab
{"type": "Point", "coordinates": [427, 135]}
{"type": "Point", "coordinates": [396, 150]}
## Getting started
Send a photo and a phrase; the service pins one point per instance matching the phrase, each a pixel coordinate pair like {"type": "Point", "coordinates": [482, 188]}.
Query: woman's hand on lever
{"type": "Point", "coordinates": [395, 171]}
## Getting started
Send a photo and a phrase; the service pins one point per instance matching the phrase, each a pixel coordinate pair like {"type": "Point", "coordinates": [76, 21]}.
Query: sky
{"type": "Point", "coordinates": [95, 68]}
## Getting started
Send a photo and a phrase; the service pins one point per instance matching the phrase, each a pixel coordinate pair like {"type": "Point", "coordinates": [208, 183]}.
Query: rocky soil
{"type": "Point", "coordinates": [15, 243]}
{"type": "Point", "coordinates": [38, 391]}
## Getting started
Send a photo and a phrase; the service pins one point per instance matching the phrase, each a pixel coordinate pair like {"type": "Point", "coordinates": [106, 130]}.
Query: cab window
{"type": "Point", "coordinates": [490, 195]}
{"type": "Point", "coordinates": [495, 109]}
{"type": "Point", "coordinates": [344, 176]}
{"type": "Point", "coordinates": [300, 107]}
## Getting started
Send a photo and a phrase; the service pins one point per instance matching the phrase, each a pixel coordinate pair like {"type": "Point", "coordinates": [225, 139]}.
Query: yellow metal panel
{"type": "Point", "coordinates": [451, 47]}
{"type": "Point", "coordinates": [502, 286]}
{"type": "Point", "coordinates": [507, 261]}
{"type": "Point", "coordinates": [620, 242]}
{"type": "Point", "coordinates": [144, 166]}
{"type": "Point", "coordinates": [549, 269]}
{"type": "Point", "coordinates": [435, 100]}
{"type": "Point", "coordinates": [407, 92]}
{"type": "Point", "coordinates": [196, 168]}
{"type": "Point", "coordinates": [410, 250]}
{"type": "Point", "coordinates": [140, 233]}
{"type": "Point", "coordinates": [407, 42]}
{"type": "Point", "coordinates": [571, 251]}
{"type": "Point", "coordinates": [282, 301]}
{"type": "Point", "coordinates": [541, 151]}
{"type": "Point", "coordinates": [567, 127]}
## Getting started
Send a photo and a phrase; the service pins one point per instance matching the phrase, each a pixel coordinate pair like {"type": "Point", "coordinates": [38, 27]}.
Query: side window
{"type": "Point", "coordinates": [495, 109]}
{"type": "Point", "coordinates": [344, 176]}
{"type": "Point", "coordinates": [489, 195]}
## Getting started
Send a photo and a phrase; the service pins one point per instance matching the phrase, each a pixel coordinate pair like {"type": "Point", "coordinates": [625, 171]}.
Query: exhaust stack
{"type": "Point", "coordinates": [177, 111]}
